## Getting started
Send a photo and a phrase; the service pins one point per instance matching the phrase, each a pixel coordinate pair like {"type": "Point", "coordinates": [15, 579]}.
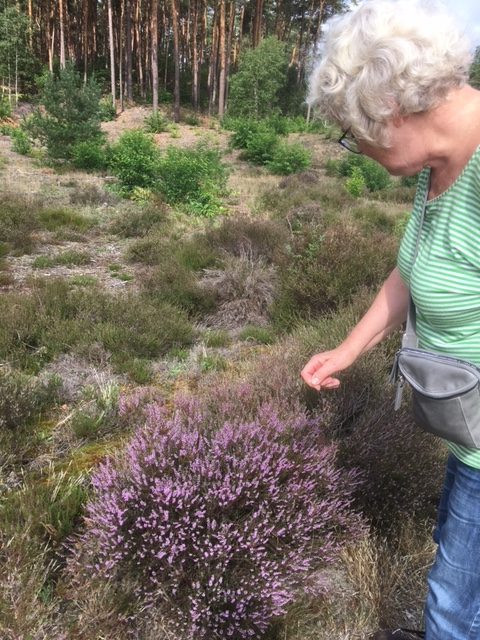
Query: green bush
{"type": "Point", "coordinates": [156, 123]}
{"type": "Point", "coordinates": [355, 183]}
{"type": "Point", "coordinates": [88, 155]}
{"type": "Point", "coordinates": [372, 217]}
{"type": "Point", "coordinates": [254, 89]}
{"type": "Point", "coordinates": [192, 120]}
{"type": "Point", "coordinates": [261, 146]}
{"type": "Point", "coordinates": [71, 113]}
{"type": "Point", "coordinates": [5, 108]}
{"type": "Point", "coordinates": [107, 110]}
{"type": "Point", "coordinates": [195, 177]}
{"type": "Point", "coordinates": [134, 160]}
{"type": "Point", "coordinates": [289, 158]}
{"type": "Point", "coordinates": [374, 175]}
{"type": "Point", "coordinates": [243, 130]}
{"type": "Point", "coordinates": [409, 181]}
{"type": "Point", "coordinates": [20, 141]}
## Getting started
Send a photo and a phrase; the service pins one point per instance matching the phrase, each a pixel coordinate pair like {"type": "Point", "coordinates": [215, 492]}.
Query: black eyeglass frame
{"type": "Point", "coordinates": [345, 142]}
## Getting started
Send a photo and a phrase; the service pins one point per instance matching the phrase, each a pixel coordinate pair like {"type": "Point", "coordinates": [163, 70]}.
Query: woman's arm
{"type": "Point", "coordinates": [387, 312]}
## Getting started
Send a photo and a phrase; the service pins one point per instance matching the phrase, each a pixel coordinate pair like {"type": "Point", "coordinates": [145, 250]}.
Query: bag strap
{"type": "Point", "coordinates": [409, 338]}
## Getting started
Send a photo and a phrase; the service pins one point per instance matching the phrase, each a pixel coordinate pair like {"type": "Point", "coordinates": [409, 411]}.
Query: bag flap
{"type": "Point", "coordinates": [436, 376]}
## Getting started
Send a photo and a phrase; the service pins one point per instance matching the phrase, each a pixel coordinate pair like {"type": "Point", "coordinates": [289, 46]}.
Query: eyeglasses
{"type": "Point", "coordinates": [349, 142]}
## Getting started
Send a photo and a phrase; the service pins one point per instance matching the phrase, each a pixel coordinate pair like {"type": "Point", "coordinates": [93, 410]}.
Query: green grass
{"type": "Point", "coordinates": [67, 258]}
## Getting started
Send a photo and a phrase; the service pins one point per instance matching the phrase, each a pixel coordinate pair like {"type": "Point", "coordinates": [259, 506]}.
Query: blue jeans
{"type": "Point", "coordinates": [452, 610]}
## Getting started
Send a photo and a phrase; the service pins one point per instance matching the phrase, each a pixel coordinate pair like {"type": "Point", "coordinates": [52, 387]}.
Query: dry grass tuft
{"type": "Point", "coordinates": [245, 289]}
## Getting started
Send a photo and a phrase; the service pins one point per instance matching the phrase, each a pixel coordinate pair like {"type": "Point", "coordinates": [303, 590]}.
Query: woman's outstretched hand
{"type": "Point", "coordinates": [319, 371]}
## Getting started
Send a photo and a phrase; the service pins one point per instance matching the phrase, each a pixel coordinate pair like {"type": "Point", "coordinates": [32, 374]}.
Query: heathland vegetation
{"type": "Point", "coordinates": [163, 471]}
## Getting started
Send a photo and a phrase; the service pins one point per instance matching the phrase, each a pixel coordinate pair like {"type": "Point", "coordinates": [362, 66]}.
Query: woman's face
{"type": "Point", "coordinates": [406, 155]}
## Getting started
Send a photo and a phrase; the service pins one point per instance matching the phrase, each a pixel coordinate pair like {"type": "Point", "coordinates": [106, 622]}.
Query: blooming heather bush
{"type": "Point", "coordinates": [220, 529]}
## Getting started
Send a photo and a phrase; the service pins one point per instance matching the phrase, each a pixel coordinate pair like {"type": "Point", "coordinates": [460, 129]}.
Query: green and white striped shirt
{"type": "Point", "coordinates": [445, 279]}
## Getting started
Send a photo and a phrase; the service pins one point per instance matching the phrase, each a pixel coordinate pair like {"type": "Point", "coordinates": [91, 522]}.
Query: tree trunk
{"type": "Point", "coordinates": [195, 93]}
{"type": "Point", "coordinates": [212, 69]}
{"type": "Point", "coordinates": [112, 52]}
{"type": "Point", "coordinates": [120, 58]}
{"type": "Point", "coordinates": [176, 105]}
{"type": "Point", "coordinates": [257, 23]}
{"type": "Point", "coordinates": [62, 35]}
{"type": "Point", "coordinates": [222, 77]}
{"type": "Point", "coordinates": [128, 49]}
{"type": "Point", "coordinates": [231, 27]}
{"type": "Point", "coordinates": [139, 49]}
{"type": "Point", "coordinates": [154, 34]}
{"type": "Point", "coordinates": [85, 40]}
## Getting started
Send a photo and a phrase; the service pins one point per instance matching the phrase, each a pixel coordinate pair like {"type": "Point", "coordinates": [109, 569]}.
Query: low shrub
{"type": "Point", "coordinates": [156, 123]}
{"type": "Point", "coordinates": [56, 318]}
{"type": "Point", "coordinates": [194, 177]}
{"type": "Point", "coordinates": [355, 183]}
{"type": "Point", "coordinates": [67, 258]}
{"type": "Point", "coordinates": [23, 398]}
{"type": "Point", "coordinates": [171, 282]}
{"type": "Point", "coordinates": [107, 111]}
{"type": "Point", "coordinates": [90, 194]}
{"type": "Point", "coordinates": [261, 335]}
{"type": "Point", "coordinates": [374, 175]}
{"type": "Point", "coordinates": [192, 120]}
{"type": "Point", "coordinates": [261, 146]}
{"type": "Point", "coordinates": [88, 155]}
{"type": "Point", "coordinates": [20, 141]}
{"type": "Point", "coordinates": [289, 158]}
{"type": "Point", "coordinates": [372, 217]}
{"type": "Point", "coordinates": [5, 108]}
{"type": "Point", "coordinates": [17, 223]}
{"type": "Point", "coordinates": [243, 130]}
{"type": "Point", "coordinates": [216, 339]}
{"type": "Point", "coordinates": [134, 160]}
{"type": "Point", "coordinates": [187, 511]}
{"type": "Point", "coordinates": [53, 219]}
{"type": "Point", "coordinates": [409, 181]}
{"type": "Point", "coordinates": [140, 220]}
{"type": "Point", "coordinates": [244, 288]}
{"type": "Point", "coordinates": [329, 269]}
{"type": "Point", "coordinates": [259, 238]}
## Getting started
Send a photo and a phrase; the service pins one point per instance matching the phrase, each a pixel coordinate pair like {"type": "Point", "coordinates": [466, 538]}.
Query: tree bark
{"type": "Point", "coordinates": [154, 34]}
{"type": "Point", "coordinates": [112, 52]}
{"type": "Point", "coordinates": [195, 92]}
{"type": "Point", "coordinates": [176, 53]}
{"type": "Point", "coordinates": [222, 77]}
{"type": "Point", "coordinates": [128, 50]}
{"type": "Point", "coordinates": [62, 34]}
{"type": "Point", "coordinates": [257, 23]}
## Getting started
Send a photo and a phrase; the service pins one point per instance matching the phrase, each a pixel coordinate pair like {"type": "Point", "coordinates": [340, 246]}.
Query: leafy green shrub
{"type": "Point", "coordinates": [5, 108]}
{"type": "Point", "coordinates": [279, 124]}
{"type": "Point", "coordinates": [355, 184]}
{"type": "Point", "coordinates": [289, 158]}
{"type": "Point", "coordinates": [107, 110]}
{"type": "Point", "coordinates": [374, 175]}
{"type": "Point", "coordinates": [89, 155]}
{"type": "Point", "coordinates": [20, 141]}
{"type": "Point", "coordinates": [192, 120]}
{"type": "Point", "coordinates": [71, 113]}
{"type": "Point", "coordinates": [156, 123]}
{"type": "Point", "coordinates": [243, 130]}
{"type": "Point", "coordinates": [134, 159]}
{"type": "Point", "coordinates": [261, 74]}
{"type": "Point", "coordinates": [262, 146]}
{"type": "Point", "coordinates": [195, 177]}
{"type": "Point", "coordinates": [23, 397]}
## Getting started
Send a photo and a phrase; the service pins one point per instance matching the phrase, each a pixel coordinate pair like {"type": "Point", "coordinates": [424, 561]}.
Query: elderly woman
{"type": "Point", "coordinates": [393, 75]}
